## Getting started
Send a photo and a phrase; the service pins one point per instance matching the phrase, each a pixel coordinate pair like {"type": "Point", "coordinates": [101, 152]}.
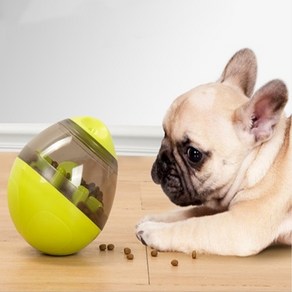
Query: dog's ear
{"type": "Point", "coordinates": [241, 71]}
{"type": "Point", "coordinates": [262, 112]}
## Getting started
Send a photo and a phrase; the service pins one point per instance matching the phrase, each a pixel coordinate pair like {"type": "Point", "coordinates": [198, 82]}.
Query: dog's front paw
{"type": "Point", "coordinates": [148, 218]}
{"type": "Point", "coordinates": [152, 218]}
{"type": "Point", "coordinates": [145, 219]}
{"type": "Point", "coordinates": [154, 234]}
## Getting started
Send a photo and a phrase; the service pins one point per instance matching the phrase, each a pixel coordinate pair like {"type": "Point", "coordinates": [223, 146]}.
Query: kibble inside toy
{"type": "Point", "coordinates": [62, 186]}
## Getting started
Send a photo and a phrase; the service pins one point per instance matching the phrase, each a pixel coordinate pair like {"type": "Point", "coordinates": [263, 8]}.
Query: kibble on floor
{"type": "Point", "coordinates": [127, 250]}
{"type": "Point", "coordinates": [110, 246]}
{"type": "Point", "coordinates": [130, 256]}
{"type": "Point", "coordinates": [102, 247]}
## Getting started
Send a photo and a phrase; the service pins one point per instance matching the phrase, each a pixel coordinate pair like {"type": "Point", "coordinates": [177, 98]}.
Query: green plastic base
{"type": "Point", "coordinates": [43, 216]}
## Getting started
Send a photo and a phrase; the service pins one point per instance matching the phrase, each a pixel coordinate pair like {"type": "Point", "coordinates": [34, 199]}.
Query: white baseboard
{"type": "Point", "coordinates": [128, 140]}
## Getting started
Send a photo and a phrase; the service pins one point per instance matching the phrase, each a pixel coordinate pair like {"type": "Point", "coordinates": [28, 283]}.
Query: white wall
{"type": "Point", "coordinates": [124, 61]}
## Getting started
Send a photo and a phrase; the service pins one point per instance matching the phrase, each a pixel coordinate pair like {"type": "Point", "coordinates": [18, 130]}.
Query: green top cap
{"type": "Point", "coordinates": [98, 131]}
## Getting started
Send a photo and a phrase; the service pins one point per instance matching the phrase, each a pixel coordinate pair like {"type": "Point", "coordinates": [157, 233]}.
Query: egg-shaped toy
{"type": "Point", "coordinates": [62, 186]}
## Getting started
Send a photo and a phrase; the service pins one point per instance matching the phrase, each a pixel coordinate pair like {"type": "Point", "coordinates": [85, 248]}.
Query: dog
{"type": "Point", "coordinates": [226, 159]}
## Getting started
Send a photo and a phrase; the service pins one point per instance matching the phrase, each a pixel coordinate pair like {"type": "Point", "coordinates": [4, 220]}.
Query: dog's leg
{"type": "Point", "coordinates": [241, 231]}
{"type": "Point", "coordinates": [180, 214]}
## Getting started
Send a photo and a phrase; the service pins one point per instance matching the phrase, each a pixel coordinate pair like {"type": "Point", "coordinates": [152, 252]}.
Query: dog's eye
{"type": "Point", "coordinates": [194, 155]}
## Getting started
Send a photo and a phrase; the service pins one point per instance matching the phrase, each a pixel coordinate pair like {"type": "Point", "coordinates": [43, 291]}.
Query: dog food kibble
{"type": "Point", "coordinates": [102, 247]}
{"type": "Point", "coordinates": [154, 253]}
{"type": "Point", "coordinates": [194, 254]}
{"type": "Point", "coordinates": [130, 256]}
{"type": "Point", "coordinates": [110, 246]}
{"type": "Point", "coordinates": [55, 164]}
{"type": "Point", "coordinates": [127, 250]}
{"type": "Point", "coordinates": [174, 263]}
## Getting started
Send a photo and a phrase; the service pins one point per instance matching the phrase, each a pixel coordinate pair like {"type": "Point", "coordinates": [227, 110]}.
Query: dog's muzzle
{"type": "Point", "coordinates": [166, 172]}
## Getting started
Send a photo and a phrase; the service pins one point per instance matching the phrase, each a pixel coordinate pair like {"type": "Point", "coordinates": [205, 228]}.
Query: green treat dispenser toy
{"type": "Point", "coordinates": [62, 186]}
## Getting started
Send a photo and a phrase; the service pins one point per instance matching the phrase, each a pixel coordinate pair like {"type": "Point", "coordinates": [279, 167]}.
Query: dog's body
{"type": "Point", "coordinates": [231, 157]}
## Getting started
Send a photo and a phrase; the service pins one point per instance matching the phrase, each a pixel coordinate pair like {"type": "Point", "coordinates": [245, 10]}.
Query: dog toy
{"type": "Point", "coordinates": [62, 185]}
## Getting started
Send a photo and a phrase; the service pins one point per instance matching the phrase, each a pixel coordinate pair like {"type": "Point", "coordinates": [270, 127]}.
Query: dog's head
{"type": "Point", "coordinates": [211, 129]}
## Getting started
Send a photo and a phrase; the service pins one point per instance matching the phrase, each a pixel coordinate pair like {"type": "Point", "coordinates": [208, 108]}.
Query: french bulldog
{"type": "Point", "coordinates": [226, 159]}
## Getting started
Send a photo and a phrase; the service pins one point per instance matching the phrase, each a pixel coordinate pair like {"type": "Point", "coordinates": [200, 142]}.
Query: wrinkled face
{"type": "Point", "coordinates": [201, 151]}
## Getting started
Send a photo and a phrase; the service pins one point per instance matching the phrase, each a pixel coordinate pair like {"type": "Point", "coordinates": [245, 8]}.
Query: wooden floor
{"type": "Point", "coordinates": [24, 269]}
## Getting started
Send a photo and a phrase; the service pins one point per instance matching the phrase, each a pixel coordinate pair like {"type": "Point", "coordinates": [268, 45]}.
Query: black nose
{"type": "Point", "coordinates": [164, 162]}
{"type": "Point", "coordinates": [160, 167]}
{"type": "Point", "coordinates": [154, 173]}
